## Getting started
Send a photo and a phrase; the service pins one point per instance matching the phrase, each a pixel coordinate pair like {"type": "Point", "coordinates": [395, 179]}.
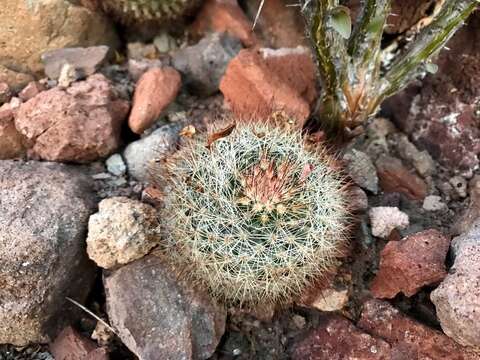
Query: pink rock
{"type": "Point", "coordinates": [409, 264]}
{"type": "Point", "coordinates": [31, 90]}
{"type": "Point", "coordinates": [336, 338]}
{"type": "Point", "coordinates": [224, 16]}
{"type": "Point", "coordinates": [79, 124]}
{"type": "Point", "coordinates": [259, 82]}
{"type": "Point", "coordinates": [409, 339]}
{"type": "Point", "coordinates": [155, 90]}
{"type": "Point", "coordinates": [11, 141]}
{"type": "Point", "coordinates": [395, 177]}
{"type": "Point", "coordinates": [70, 345]}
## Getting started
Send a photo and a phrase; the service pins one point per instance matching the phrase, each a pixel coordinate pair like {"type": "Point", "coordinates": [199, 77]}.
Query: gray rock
{"type": "Point", "coordinates": [361, 169]}
{"type": "Point", "coordinates": [116, 165]}
{"type": "Point", "coordinates": [85, 61]}
{"type": "Point", "coordinates": [121, 231]}
{"type": "Point", "coordinates": [433, 203]}
{"type": "Point", "coordinates": [158, 317]}
{"type": "Point", "coordinates": [204, 64]}
{"type": "Point", "coordinates": [136, 68]}
{"type": "Point", "coordinates": [164, 42]}
{"type": "Point", "coordinates": [44, 210]}
{"type": "Point", "coordinates": [457, 299]}
{"type": "Point", "coordinates": [421, 160]}
{"type": "Point", "coordinates": [139, 154]}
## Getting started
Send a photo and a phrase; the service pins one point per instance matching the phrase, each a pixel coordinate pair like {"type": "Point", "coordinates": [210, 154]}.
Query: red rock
{"type": "Point", "coordinates": [259, 82]}
{"type": "Point", "coordinates": [336, 338]}
{"type": "Point", "coordinates": [409, 339]}
{"type": "Point", "coordinates": [155, 90]}
{"type": "Point", "coordinates": [395, 177]}
{"type": "Point", "coordinates": [409, 264]}
{"type": "Point", "coordinates": [224, 16]}
{"type": "Point", "coordinates": [11, 141]}
{"type": "Point", "coordinates": [5, 93]}
{"type": "Point", "coordinates": [70, 345]}
{"type": "Point", "coordinates": [31, 90]}
{"type": "Point", "coordinates": [79, 124]}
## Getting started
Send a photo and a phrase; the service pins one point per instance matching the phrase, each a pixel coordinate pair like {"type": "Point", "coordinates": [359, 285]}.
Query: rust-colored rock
{"type": "Point", "coordinates": [409, 264]}
{"type": "Point", "coordinates": [79, 124]}
{"type": "Point", "coordinates": [31, 90]}
{"type": "Point", "coordinates": [408, 338]}
{"type": "Point", "coordinates": [336, 338]}
{"type": "Point", "coordinates": [395, 177]}
{"type": "Point", "coordinates": [70, 345]}
{"type": "Point", "coordinates": [155, 90]}
{"type": "Point", "coordinates": [11, 141]}
{"type": "Point", "coordinates": [259, 82]}
{"type": "Point", "coordinates": [224, 16]}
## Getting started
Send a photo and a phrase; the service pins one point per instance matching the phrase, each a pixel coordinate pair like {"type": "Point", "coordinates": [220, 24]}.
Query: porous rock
{"type": "Point", "coordinates": [121, 231]}
{"type": "Point", "coordinates": [413, 262]}
{"type": "Point", "coordinates": [79, 124]}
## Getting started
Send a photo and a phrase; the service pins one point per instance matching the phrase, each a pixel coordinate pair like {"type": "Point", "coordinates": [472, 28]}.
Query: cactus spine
{"type": "Point", "coordinates": [255, 217]}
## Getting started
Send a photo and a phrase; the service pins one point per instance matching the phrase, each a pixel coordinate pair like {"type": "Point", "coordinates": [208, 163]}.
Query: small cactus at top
{"type": "Point", "coordinates": [353, 66]}
{"type": "Point", "coordinates": [254, 216]}
{"type": "Point", "coordinates": [146, 11]}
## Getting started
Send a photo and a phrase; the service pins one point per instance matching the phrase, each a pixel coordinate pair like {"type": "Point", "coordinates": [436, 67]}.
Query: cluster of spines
{"type": "Point", "coordinates": [255, 217]}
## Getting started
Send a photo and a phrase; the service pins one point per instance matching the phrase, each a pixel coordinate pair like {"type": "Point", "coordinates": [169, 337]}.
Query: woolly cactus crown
{"type": "Point", "coordinates": [255, 217]}
{"type": "Point", "coordinates": [141, 11]}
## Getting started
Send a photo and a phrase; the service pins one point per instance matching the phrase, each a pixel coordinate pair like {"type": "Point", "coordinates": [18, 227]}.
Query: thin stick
{"type": "Point", "coordinates": [92, 314]}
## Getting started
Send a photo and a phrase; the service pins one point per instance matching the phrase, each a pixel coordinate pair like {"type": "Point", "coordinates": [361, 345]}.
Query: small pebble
{"type": "Point", "coordinates": [433, 203]}
{"type": "Point", "coordinates": [460, 185]}
{"type": "Point", "coordinates": [116, 165]}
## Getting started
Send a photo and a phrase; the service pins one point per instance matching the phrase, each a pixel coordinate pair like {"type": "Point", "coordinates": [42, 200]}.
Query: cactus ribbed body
{"type": "Point", "coordinates": [256, 217]}
{"type": "Point", "coordinates": [141, 11]}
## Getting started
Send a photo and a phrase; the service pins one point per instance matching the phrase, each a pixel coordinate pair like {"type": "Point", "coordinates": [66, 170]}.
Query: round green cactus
{"type": "Point", "coordinates": [142, 11]}
{"type": "Point", "coordinates": [254, 216]}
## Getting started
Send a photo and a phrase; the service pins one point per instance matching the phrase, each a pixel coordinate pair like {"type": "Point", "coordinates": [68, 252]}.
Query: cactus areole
{"type": "Point", "coordinates": [255, 217]}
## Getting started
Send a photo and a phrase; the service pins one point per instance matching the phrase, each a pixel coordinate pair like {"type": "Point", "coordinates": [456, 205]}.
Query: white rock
{"type": "Point", "coordinates": [121, 231]}
{"type": "Point", "coordinates": [384, 219]}
{"type": "Point", "coordinates": [116, 165]}
{"type": "Point", "coordinates": [433, 203]}
{"type": "Point", "coordinates": [331, 300]}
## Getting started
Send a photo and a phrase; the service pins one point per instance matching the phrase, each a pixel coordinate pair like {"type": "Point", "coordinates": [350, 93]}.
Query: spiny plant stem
{"type": "Point", "coordinates": [429, 42]}
{"type": "Point", "coordinates": [354, 85]}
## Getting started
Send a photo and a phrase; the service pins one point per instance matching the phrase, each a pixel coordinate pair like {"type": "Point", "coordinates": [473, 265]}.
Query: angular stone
{"type": "Point", "coordinates": [43, 221]}
{"type": "Point", "coordinates": [395, 177]}
{"type": "Point", "coordinates": [79, 124]}
{"type": "Point", "coordinates": [31, 90]}
{"type": "Point", "coordinates": [361, 170]}
{"type": "Point", "coordinates": [115, 165]}
{"type": "Point", "coordinates": [154, 91]}
{"type": "Point", "coordinates": [408, 338]}
{"type": "Point", "coordinates": [336, 338]}
{"type": "Point", "coordinates": [204, 64]}
{"type": "Point", "coordinates": [85, 61]}
{"type": "Point", "coordinates": [384, 219]}
{"type": "Point", "coordinates": [457, 299]}
{"type": "Point", "coordinates": [331, 300]}
{"type": "Point", "coordinates": [224, 16]}
{"type": "Point", "coordinates": [140, 154]}
{"type": "Point", "coordinates": [407, 265]}
{"type": "Point", "coordinates": [121, 231]}
{"type": "Point", "coordinates": [259, 82]}
{"type": "Point", "coordinates": [159, 317]}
